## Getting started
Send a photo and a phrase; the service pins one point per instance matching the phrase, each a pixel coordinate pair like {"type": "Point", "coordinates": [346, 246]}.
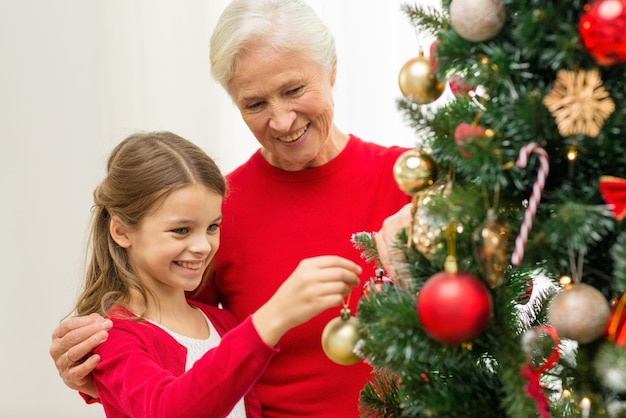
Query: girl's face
{"type": "Point", "coordinates": [286, 101]}
{"type": "Point", "coordinates": [174, 243]}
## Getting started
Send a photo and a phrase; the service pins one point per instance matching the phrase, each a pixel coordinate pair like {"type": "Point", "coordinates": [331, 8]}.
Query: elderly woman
{"type": "Point", "coordinates": [307, 189]}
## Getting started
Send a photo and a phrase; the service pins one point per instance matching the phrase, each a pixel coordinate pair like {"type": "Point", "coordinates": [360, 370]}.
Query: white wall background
{"type": "Point", "coordinates": [77, 76]}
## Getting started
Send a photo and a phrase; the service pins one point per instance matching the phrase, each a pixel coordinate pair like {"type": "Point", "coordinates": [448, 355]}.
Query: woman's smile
{"type": "Point", "coordinates": [294, 136]}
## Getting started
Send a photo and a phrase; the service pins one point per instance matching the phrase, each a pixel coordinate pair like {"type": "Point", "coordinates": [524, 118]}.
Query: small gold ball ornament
{"type": "Point", "coordinates": [414, 171]}
{"type": "Point", "coordinates": [579, 312]}
{"type": "Point", "coordinates": [490, 243]}
{"type": "Point", "coordinates": [427, 231]}
{"type": "Point", "coordinates": [418, 81]}
{"type": "Point", "coordinates": [339, 338]}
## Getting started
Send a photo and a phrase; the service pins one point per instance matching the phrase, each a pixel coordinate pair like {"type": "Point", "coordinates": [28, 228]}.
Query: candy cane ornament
{"type": "Point", "coordinates": [535, 197]}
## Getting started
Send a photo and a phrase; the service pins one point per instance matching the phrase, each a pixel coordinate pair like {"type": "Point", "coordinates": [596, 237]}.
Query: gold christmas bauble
{"type": "Point", "coordinates": [414, 171]}
{"type": "Point", "coordinates": [579, 312]}
{"type": "Point", "coordinates": [490, 242]}
{"type": "Point", "coordinates": [339, 339]}
{"type": "Point", "coordinates": [418, 81]}
{"type": "Point", "coordinates": [428, 232]}
{"type": "Point", "coordinates": [477, 20]}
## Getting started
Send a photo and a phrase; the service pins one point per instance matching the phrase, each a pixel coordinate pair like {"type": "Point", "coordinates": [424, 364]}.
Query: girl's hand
{"type": "Point", "coordinates": [318, 283]}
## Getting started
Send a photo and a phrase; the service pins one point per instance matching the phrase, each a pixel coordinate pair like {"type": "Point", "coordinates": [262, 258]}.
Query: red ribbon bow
{"type": "Point", "coordinates": [613, 190]}
{"type": "Point", "coordinates": [532, 374]}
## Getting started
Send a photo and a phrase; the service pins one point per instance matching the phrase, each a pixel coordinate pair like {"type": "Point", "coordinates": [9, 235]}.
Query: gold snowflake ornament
{"type": "Point", "coordinates": [579, 103]}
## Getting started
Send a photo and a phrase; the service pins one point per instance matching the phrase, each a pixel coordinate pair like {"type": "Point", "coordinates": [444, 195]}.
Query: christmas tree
{"type": "Point", "coordinates": [520, 178]}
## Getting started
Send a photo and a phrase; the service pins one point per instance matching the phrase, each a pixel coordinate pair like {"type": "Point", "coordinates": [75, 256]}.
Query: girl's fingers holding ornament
{"type": "Point", "coordinates": [334, 261]}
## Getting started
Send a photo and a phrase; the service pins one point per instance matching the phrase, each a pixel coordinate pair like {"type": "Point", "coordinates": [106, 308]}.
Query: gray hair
{"type": "Point", "coordinates": [285, 25]}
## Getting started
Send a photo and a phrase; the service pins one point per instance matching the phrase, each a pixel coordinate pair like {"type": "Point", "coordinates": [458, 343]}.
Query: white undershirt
{"type": "Point", "coordinates": [196, 349]}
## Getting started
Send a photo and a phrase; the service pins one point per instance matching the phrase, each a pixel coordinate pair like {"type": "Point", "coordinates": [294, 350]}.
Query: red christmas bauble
{"type": "Point", "coordinates": [601, 29]}
{"type": "Point", "coordinates": [529, 285]}
{"type": "Point", "coordinates": [454, 307]}
{"type": "Point", "coordinates": [376, 285]}
{"type": "Point", "coordinates": [466, 132]}
{"type": "Point", "coordinates": [456, 82]}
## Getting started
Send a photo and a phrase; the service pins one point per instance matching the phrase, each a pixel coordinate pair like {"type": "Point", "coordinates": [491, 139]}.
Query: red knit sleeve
{"type": "Point", "coordinates": [141, 372]}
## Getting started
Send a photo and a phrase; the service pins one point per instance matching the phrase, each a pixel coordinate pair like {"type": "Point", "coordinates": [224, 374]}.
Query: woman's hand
{"type": "Point", "coordinates": [318, 283]}
{"type": "Point", "coordinates": [387, 239]}
{"type": "Point", "coordinates": [72, 342]}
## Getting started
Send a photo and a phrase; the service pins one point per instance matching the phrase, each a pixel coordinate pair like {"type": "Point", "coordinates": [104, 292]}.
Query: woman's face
{"type": "Point", "coordinates": [286, 101]}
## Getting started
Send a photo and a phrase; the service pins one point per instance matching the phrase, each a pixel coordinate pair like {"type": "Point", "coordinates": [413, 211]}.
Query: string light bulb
{"type": "Point", "coordinates": [566, 281]}
{"type": "Point", "coordinates": [572, 154]}
{"type": "Point", "coordinates": [585, 407]}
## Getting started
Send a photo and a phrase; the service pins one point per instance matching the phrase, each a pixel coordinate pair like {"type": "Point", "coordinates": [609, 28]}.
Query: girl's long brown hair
{"type": "Point", "coordinates": [141, 170]}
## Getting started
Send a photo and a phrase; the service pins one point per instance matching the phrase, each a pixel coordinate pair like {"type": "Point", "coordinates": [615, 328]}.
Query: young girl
{"type": "Point", "coordinates": [155, 230]}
